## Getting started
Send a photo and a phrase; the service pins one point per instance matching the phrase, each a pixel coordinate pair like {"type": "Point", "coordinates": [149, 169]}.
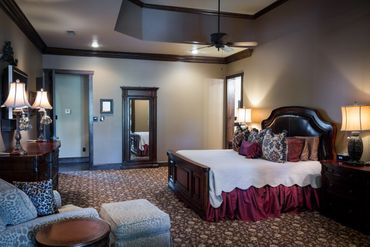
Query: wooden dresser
{"type": "Point", "coordinates": [345, 194]}
{"type": "Point", "coordinates": [40, 163]}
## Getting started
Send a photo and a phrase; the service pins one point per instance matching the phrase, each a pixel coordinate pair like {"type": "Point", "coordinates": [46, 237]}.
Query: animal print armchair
{"type": "Point", "coordinates": [15, 207]}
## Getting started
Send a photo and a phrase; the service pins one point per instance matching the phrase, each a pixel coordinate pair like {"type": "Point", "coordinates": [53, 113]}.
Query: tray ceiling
{"type": "Point", "coordinates": [95, 20]}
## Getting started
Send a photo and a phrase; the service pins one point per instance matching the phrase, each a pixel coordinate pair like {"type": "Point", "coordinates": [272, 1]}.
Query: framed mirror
{"type": "Point", "coordinates": [139, 116]}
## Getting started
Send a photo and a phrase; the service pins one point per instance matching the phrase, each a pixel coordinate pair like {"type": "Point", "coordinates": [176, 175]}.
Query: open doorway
{"type": "Point", "coordinates": [234, 100]}
{"type": "Point", "coordinates": [72, 114]}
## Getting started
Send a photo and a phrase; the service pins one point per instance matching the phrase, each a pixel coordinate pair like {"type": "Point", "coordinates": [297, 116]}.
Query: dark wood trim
{"type": "Point", "coordinates": [15, 13]}
{"type": "Point", "coordinates": [269, 8]}
{"type": "Point", "coordinates": [147, 93]}
{"type": "Point", "coordinates": [133, 55]}
{"type": "Point", "coordinates": [210, 12]}
{"type": "Point", "coordinates": [74, 160]}
{"type": "Point", "coordinates": [226, 144]}
{"type": "Point", "coordinates": [72, 72]}
{"type": "Point", "coordinates": [238, 56]}
{"type": "Point", "coordinates": [191, 10]}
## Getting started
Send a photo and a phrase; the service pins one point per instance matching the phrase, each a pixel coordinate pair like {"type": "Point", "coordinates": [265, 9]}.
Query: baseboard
{"type": "Point", "coordinates": [74, 160]}
{"type": "Point", "coordinates": [117, 166]}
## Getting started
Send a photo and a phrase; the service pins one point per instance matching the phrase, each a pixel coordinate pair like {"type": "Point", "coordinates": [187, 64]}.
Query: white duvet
{"type": "Point", "coordinates": [229, 170]}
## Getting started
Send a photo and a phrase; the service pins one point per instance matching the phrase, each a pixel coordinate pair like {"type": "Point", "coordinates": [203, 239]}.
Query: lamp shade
{"type": "Point", "coordinates": [17, 97]}
{"type": "Point", "coordinates": [355, 118]}
{"type": "Point", "coordinates": [244, 115]}
{"type": "Point", "coordinates": [41, 100]}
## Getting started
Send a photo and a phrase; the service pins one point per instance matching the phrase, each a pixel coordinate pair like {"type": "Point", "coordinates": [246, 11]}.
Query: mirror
{"type": "Point", "coordinates": [139, 129]}
{"type": "Point", "coordinates": [139, 116]}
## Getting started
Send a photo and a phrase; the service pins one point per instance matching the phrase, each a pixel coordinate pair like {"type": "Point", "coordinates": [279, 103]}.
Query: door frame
{"type": "Point", "coordinates": [89, 75]}
{"type": "Point", "coordinates": [241, 74]}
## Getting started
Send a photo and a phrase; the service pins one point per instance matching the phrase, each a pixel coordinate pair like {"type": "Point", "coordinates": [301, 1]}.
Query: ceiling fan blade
{"type": "Point", "coordinates": [243, 44]}
{"type": "Point", "coordinates": [200, 48]}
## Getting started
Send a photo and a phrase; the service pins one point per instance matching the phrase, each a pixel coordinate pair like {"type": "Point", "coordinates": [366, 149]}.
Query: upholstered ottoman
{"type": "Point", "coordinates": [137, 223]}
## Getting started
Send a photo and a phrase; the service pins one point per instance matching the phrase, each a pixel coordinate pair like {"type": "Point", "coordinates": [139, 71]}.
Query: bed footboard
{"type": "Point", "coordinates": [189, 181]}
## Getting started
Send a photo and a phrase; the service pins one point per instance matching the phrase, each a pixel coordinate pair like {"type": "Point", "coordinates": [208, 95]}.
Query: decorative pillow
{"type": "Point", "coordinates": [312, 144]}
{"type": "Point", "coordinates": [15, 206]}
{"type": "Point", "coordinates": [274, 147]}
{"type": "Point", "coordinates": [239, 136]}
{"type": "Point", "coordinates": [295, 147]}
{"type": "Point", "coordinates": [251, 150]}
{"type": "Point", "coordinates": [305, 152]}
{"type": "Point", "coordinates": [41, 195]}
{"type": "Point", "coordinates": [256, 136]}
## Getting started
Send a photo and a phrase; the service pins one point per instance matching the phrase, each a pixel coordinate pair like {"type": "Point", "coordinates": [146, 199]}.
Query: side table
{"type": "Point", "coordinates": [345, 194]}
{"type": "Point", "coordinates": [75, 232]}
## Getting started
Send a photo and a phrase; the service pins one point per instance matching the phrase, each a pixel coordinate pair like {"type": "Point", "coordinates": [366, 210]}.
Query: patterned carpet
{"type": "Point", "coordinates": [92, 188]}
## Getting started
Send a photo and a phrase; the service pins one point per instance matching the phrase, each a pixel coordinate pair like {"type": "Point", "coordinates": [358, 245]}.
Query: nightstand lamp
{"type": "Point", "coordinates": [244, 116]}
{"type": "Point", "coordinates": [17, 100]}
{"type": "Point", "coordinates": [355, 118]}
{"type": "Point", "coordinates": [42, 103]}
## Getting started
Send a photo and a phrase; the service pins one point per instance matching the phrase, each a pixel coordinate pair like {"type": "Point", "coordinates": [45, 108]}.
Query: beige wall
{"type": "Point", "coordinates": [188, 97]}
{"type": "Point", "coordinates": [29, 61]}
{"type": "Point", "coordinates": [312, 53]}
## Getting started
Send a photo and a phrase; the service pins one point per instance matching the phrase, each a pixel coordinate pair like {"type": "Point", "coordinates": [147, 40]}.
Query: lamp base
{"type": "Point", "coordinates": [18, 150]}
{"type": "Point", "coordinates": [355, 146]}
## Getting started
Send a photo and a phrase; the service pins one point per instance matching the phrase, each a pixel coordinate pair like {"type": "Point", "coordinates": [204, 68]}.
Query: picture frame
{"type": "Point", "coordinates": [106, 106]}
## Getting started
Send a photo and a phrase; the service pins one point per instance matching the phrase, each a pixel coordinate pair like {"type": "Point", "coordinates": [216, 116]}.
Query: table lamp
{"type": "Point", "coordinates": [17, 100]}
{"type": "Point", "coordinates": [355, 118]}
{"type": "Point", "coordinates": [244, 115]}
{"type": "Point", "coordinates": [42, 103]}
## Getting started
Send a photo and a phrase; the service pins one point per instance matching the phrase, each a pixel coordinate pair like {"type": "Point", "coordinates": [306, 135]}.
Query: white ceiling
{"type": "Point", "coordinates": [96, 19]}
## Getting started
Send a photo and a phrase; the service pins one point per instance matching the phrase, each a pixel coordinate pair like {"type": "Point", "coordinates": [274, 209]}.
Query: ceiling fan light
{"type": "Point", "coordinates": [194, 51]}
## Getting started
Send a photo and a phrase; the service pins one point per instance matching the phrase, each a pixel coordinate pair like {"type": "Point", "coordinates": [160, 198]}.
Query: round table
{"type": "Point", "coordinates": [74, 232]}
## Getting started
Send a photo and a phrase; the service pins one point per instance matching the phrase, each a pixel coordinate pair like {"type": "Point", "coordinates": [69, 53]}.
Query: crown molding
{"type": "Point", "coordinates": [148, 56]}
{"type": "Point", "coordinates": [15, 13]}
{"type": "Point", "coordinates": [209, 12]}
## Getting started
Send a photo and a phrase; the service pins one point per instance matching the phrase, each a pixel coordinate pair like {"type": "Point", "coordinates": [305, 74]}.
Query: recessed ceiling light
{"type": "Point", "coordinates": [71, 33]}
{"type": "Point", "coordinates": [95, 44]}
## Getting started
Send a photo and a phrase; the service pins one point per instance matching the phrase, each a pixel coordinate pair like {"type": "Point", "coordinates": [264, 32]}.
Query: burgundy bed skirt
{"type": "Point", "coordinates": [256, 204]}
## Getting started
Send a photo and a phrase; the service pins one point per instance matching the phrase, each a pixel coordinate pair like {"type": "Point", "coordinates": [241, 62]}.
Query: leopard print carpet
{"type": "Point", "coordinates": [92, 188]}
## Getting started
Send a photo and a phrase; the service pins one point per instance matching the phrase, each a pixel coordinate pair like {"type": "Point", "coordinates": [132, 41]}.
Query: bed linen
{"type": "Point", "coordinates": [230, 171]}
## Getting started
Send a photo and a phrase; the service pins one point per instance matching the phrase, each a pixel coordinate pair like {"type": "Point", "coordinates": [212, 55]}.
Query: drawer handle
{"type": "Point", "coordinates": [349, 211]}
{"type": "Point", "coordinates": [350, 191]}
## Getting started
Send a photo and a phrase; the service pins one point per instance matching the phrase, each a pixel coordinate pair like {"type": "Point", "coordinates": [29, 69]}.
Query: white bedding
{"type": "Point", "coordinates": [229, 170]}
{"type": "Point", "coordinates": [144, 139]}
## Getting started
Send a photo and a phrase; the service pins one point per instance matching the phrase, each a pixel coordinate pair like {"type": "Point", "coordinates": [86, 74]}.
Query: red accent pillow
{"type": "Point", "coordinates": [295, 147]}
{"type": "Point", "coordinates": [251, 150]}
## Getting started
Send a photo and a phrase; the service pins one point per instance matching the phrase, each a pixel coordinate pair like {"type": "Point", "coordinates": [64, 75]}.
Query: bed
{"type": "Point", "coordinates": [139, 142]}
{"type": "Point", "coordinates": [193, 181]}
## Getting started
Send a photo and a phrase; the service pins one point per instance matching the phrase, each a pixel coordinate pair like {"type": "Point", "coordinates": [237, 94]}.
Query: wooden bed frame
{"type": "Point", "coordinates": [190, 180]}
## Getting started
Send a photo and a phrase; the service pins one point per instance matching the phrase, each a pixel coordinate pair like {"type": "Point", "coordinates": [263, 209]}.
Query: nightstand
{"type": "Point", "coordinates": [345, 194]}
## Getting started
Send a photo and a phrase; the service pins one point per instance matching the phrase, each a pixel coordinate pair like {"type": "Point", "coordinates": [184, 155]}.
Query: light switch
{"type": "Point", "coordinates": [67, 111]}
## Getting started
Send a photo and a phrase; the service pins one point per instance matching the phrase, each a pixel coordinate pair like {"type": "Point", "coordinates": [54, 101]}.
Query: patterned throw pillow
{"type": "Point", "coordinates": [41, 195]}
{"type": "Point", "coordinates": [239, 136]}
{"type": "Point", "coordinates": [274, 147]}
{"type": "Point", "coordinates": [15, 206]}
{"type": "Point", "coordinates": [256, 136]}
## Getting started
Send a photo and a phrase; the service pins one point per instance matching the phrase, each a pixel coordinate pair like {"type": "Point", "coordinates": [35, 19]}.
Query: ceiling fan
{"type": "Point", "coordinates": [218, 41]}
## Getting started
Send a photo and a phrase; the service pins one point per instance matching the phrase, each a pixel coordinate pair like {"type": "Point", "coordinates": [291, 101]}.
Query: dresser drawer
{"type": "Point", "coordinates": [337, 176]}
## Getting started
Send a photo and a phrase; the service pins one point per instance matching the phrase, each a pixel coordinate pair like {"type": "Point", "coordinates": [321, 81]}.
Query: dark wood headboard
{"type": "Point", "coordinates": [303, 121]}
